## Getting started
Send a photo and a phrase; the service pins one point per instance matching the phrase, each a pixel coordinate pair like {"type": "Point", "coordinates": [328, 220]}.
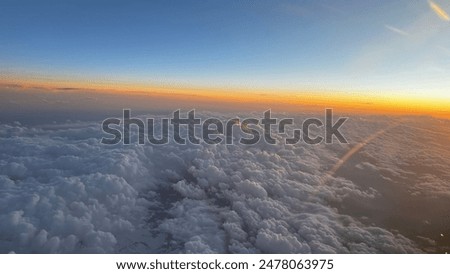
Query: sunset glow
{"type": "Point", "coordinates": [393, 58]}
{"type": "Point", "coordinates": [195, 127]}
{"type": "Point", "coordinates": [254, 99]}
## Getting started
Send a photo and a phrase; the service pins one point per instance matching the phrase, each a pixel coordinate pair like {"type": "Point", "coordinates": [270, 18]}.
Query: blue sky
{"type": "Point", "coordinates": [399, 46]}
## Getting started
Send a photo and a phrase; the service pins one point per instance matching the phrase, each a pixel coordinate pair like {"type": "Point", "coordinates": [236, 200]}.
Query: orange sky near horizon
{"type": "Point", "coordinates": [253, 99]}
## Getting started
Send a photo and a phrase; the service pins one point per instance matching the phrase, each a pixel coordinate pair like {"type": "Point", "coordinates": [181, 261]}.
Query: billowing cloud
{"type": "Point", "coordinates": [61, 191]}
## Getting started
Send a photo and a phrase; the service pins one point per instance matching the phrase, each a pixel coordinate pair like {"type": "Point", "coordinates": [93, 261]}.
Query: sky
{"type": "Point", "coordinates": [67, 65]}
{"type": "Point", "coordinates": [377, 48]}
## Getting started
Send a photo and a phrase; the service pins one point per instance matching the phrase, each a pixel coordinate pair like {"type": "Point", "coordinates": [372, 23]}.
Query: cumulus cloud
{"type": "Point", "coordinates": [61, 191]}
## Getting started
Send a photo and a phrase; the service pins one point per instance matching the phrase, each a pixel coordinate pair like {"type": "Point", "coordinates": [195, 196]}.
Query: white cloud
{"type": "Point", "coordinates": [62, 191]}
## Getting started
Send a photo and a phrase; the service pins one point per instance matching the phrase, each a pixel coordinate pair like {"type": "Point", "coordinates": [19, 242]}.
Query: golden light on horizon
{"type": "Point", "coordinates": [284, 100]}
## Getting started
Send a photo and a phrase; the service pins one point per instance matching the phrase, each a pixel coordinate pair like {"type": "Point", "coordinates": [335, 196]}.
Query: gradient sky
{"type": "Point", "coordinates": [400, 47]}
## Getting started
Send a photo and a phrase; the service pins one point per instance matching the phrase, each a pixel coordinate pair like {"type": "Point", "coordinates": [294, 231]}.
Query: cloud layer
{"type": "Point", "coordinates": [61, 191]}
